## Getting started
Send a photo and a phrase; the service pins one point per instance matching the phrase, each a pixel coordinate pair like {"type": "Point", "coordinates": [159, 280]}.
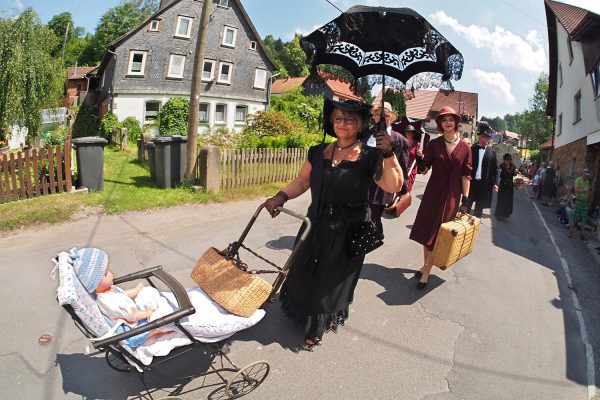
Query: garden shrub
{"type": "Point", "coordinates": [134, 129]}
{"type": "Point", "coordinates": [57, 137]}
{"type": "Point", "coordinates": [109, 123]}
{"type": "Point", "coordinates": [85, 121]}
{"type": "Point", "coordinates": [173, 117]}
{"type": "Point", "coordinates": [222, 137]}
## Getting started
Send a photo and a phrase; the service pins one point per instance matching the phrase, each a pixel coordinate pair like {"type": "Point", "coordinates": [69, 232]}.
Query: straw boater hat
{"type": "Point", "coordinates": [447, 111]}
{"type": "Point", "coordinates": [351, 105]}
{"type": "Point", "coordinates": [386, 106]}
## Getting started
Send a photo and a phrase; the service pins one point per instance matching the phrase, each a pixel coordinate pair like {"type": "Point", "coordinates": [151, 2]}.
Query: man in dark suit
{"type": "Point", "coordinates": [484, 174]}
{"type": "Point", "coordinates": [378, 198]}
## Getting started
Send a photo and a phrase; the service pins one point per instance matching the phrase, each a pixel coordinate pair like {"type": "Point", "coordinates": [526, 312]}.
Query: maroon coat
{"type": "Point", "coordinates": [442, 195]}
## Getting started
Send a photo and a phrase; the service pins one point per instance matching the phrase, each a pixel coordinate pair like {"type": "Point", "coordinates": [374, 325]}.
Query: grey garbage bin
{"type": "Point", "coordinates": [182, 149]}
{"type": "Point", "coordinates": [167, 159]}
{"type": "Point", "coordinates": [151, 160]}
{"type": "Point", "coordinates": [90, 161]}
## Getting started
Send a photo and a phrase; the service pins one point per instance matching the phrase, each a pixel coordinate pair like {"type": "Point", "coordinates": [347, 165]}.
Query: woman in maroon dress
{"type": "Point", "coordinates": [450, 161]}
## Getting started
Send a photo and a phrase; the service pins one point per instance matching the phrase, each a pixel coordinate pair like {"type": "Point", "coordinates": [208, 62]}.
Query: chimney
{"type": "Point", "coordinates": [164, 3]}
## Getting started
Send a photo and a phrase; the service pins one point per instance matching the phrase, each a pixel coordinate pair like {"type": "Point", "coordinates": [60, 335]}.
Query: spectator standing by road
{"type": "Point", "coordinates": [582, 193]}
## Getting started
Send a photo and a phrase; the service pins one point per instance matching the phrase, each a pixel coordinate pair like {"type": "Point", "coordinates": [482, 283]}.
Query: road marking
{"type": "Point", "coordinates": [589, 351]}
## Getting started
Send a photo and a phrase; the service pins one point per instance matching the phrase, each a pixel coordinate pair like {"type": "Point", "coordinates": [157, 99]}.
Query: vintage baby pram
{"type": "Point", "coordinates": [86, 315]}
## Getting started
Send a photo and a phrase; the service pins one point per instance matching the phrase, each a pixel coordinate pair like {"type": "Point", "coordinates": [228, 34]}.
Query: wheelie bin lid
{"type": "Point", "coordinates": [87, 140]}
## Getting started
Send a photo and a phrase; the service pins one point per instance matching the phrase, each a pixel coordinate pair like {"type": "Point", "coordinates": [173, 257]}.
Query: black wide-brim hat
{"type": "Point", "coordinates": [329, 105]}
{"type": "Point", "coordinates": [485, 129]}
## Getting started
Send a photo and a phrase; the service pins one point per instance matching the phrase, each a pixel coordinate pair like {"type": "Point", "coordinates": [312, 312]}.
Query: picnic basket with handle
{"type": "Point", "coordinates": [224, 279]}
{"type": "Point", "coordinates": [455, 240]}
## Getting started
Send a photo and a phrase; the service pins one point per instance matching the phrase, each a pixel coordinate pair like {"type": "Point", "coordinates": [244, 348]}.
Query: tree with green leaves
{"type": "Point", "coordinates": [71, 39]}
{"type": "Point", "coordinates": [114, 23]}
{"type": "Point", "coordinates": [396, 100]}
{"type": "Point", "coordinates": [534, 125]}
{"type": "Point", "coordinates": [30, 79]}
{"type": "Point", "coordinates": [293, 58]}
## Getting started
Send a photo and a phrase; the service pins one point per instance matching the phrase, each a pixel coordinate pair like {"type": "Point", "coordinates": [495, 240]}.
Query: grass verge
{"type": "Point", "coordinates": [127, 187]}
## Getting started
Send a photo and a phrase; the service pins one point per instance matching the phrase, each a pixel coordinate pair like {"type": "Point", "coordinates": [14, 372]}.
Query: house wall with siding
{"type": "Point", "coordinates": [131, 93]}
{"type": "Point", "coordinates": [574, 79]}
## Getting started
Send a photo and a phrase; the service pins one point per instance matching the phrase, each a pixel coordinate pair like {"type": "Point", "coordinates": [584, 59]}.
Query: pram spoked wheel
{"type": "Point", "coordinates": [116, 361]}
{"type": "Point", "coordinates": [246, 379]}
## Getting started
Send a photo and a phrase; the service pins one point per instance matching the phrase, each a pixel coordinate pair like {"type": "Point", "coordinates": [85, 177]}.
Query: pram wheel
{"type": "Point", "coordinates": [116, 361]}
{"type": "Point", "coordinates": [247, 379]}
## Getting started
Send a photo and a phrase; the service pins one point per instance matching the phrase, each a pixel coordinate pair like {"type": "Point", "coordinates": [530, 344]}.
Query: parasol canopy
{"type": "Point", "coordinates": [395, 42]}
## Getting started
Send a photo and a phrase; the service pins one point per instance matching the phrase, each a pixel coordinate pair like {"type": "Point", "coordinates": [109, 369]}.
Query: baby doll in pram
{"type": "Point", "coordinates": [142, 322]}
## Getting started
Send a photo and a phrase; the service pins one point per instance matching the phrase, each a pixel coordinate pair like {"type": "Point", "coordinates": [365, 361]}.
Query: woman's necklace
{"type": "Point", "coordinates": [345, 147]}
{"type": "Point", "coordinates": [335, 162]}
{"type": "Point", "coordinates": [451, 141]}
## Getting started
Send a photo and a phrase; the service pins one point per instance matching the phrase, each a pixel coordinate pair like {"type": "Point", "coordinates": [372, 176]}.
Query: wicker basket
{"type": "Point", "coordinates": [455, 240]}
{"type": "Point", "coordinates": [235, 290]}
{"type": "Point", "coordinates": [519, 183]}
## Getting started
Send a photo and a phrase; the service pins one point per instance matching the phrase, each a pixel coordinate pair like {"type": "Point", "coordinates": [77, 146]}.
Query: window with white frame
{"type": "Point", "coordinates": [260, 78]}
{"type": "Point", "coordinates": [559, 123]}
{"type": "Point", "coordinates": [223, 3]}
{"type": "Point", "coordinates": [176, 65]}
{"type": "Point", "coordinates": [225, 72]}
{"type": "Point", "coordinates": [221, 113]}
{"type": "Point", "coordinates": [137, 62]}
{"type": "Point", "coordinates": [151, 110]}
{"type": "Point", "coordinates": [204, 108]}
{"type": "Point", "coordinates": [252, 45]}
{"type": "Point", "coordinates": [208, 70]}
{"type": "Point", "coordinates": [154, 24]}
{"type": "Point", "coordinates": [577, 104]}
{"type": "Point", "coordinates": [240, 114]}
{"type": "Point", "coordinates": [596, 80]}
{"type": "Point", "coordinates": [184, 27]}
{"type": "Point", "coordinates": [229, 34]}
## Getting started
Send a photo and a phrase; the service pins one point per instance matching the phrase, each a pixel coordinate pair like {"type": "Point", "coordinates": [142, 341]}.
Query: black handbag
{"type": "Point", "coordinates": [362, 238]}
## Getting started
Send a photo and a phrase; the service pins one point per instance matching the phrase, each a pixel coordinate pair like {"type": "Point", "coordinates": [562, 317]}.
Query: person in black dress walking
{"type": "Point", "coordinates": [504, 203]}
{"type": "Point", "coordinates": [321, 280]}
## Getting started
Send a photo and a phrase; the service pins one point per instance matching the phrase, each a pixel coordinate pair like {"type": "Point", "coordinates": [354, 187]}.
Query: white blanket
{"type": "Point", "coordinates": [210, 323]}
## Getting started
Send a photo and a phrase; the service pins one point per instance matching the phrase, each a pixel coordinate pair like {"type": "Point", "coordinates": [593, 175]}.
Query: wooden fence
{"type": "Point", "coordinates": [245, 167]}
{"type": "Point", "coordinates": [35, 172]}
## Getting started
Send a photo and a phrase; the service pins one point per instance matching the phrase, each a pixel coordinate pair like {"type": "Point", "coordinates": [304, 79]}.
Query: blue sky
{"type": "Point", "coordinates": [504, 42]}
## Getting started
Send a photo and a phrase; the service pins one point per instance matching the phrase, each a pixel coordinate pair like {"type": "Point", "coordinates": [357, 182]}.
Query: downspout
{"type": "Point", "coordinates": [111, 92]}
{"type": "Point", "coordinates": [268, 108]}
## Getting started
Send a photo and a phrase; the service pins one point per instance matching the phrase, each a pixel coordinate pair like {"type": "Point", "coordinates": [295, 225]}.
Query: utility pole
{"type": "Point", "coordinates": [62, 56]}
{"type": "Point", "coordinates": [192, 144]}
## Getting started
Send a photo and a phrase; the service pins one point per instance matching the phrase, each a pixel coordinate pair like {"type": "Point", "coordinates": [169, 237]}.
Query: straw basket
{"type": "Point", "coordinates": [455, 240]}
{"type": "Point", "coordinates": [235, 290]}
{"type": "Point", "coordinates": [519, 183]}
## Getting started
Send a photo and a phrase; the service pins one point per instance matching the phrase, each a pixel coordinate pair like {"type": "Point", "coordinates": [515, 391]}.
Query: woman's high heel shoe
{"type": "Point", "coordinates": [421, 285]}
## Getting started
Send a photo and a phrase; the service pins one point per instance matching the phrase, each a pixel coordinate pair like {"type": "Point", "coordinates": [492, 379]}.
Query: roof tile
{"type": "Point", "coordinates": [569, 16]}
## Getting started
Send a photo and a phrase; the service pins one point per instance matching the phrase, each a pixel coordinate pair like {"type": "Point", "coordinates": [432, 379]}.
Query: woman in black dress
{"type": "Point", "coordinates": [321, 280]}
{"type": "Point", "coordinates": [504, 203]}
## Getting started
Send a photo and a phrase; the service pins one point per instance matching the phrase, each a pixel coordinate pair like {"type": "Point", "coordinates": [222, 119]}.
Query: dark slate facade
{"type": "Point", "coordinates": [144, 65]}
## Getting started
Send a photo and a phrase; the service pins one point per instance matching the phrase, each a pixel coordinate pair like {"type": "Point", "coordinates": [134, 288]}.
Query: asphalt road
{"type": "Point", "coordinates": [500, 324]}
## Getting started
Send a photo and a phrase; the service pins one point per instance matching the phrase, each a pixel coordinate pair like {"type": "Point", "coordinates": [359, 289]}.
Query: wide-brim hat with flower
{"type": "Point", "coordinates": [89, 265]}
{"type": "Point", "coordinates": [386, 106]}
{"type": "Point", "coordinates": [447, 111]}
{"type": "Point", "coordinates": [329, 105]}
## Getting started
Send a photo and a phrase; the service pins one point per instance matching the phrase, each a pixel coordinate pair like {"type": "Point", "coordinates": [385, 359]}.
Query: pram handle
{"type": "Point", "coordinates": [183, 301]}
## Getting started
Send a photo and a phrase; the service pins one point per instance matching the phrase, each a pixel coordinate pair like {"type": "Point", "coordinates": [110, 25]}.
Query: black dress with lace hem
{"type": "Point", "coordinates": [321, 281]}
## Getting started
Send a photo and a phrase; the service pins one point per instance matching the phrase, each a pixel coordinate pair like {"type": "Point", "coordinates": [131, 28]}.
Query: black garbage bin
{"type": "Point", "coordinates": [182, 155]}
{"type": "Point", "coordinates": [90, 161]}
{"type": "Point", "coordinates": [151, 160]}
{"type": "Point", "coordinates": [167, 159]}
